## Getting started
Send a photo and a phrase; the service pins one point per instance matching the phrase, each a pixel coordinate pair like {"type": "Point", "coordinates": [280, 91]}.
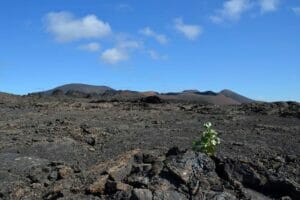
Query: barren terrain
{"type": "Point", "coordinates": [79, 148]}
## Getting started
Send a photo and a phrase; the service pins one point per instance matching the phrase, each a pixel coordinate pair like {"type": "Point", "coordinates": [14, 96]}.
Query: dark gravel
{"type": "Point", "coordinates": [53, 148]}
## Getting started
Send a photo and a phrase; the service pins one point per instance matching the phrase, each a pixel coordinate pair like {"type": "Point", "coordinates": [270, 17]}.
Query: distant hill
{"type": "Point", "coordinates": [76, 87]}
{"type": "Point", "coordinates": [225, 97]}
{"type": "Point", "coordinates": [235, 96]}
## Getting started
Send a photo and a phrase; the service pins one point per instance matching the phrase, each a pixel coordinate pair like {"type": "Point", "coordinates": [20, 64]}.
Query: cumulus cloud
{"type": "Point", "coordinates": [231, 10]}
{"type": "Point", "coordinates": [65, 27]}
{"type": "Point", "coordinates": [162, 39]}
{"type": "Point", "coordinates": [92, 47]}
{"type": "Point", "coordinates": [268, 5]}
{"type": "Point", "coordinates": [296, 10]}
{"type": "Point", "coordinates": [114, 56]}
{"type": "Point", "coordinates": [190, 31]}
{"type": "Point", "coordinates": [156, 56]}
{"type": "Point", "coordinates": [121, 52]}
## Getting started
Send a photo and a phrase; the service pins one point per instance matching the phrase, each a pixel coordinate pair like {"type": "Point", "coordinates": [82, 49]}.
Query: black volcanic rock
{"type": "Point", "coordinates": [152, 99]}
{"type": "Point", "coordinates": [76, 148]}
{"type": "Point", "coordinates": [188, 175]}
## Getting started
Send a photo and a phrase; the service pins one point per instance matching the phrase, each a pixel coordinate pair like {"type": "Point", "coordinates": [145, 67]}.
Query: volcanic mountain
{"type": "Point", "coordinates": [83, 88]}
{"type": "Point", "coordinates": [225, 97]}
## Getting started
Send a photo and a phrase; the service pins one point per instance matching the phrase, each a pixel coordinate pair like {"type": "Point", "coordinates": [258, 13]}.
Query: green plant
{"type": "Point", "coordinates": [208, 142]}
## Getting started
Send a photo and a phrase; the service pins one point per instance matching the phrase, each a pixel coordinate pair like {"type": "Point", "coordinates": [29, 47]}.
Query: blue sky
{"type": "Point", "coordinates": [249, 46]}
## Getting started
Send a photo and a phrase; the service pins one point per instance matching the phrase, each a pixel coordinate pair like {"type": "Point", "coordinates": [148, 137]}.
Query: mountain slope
{"type": "Point", "coordinates": [218, 99]}
{"type": "Point", "coordinates": [235, 96]}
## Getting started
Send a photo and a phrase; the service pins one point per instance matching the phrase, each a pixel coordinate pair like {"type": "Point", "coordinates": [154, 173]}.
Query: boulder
{"type": "Point", "coordinates": [142, 194]}
{"type": "Point", "coordinates": [98, 187]}
{"type": "Point", "coordinates": [193, 169]}
{"type": "Point", "coordinates": [122, 168]}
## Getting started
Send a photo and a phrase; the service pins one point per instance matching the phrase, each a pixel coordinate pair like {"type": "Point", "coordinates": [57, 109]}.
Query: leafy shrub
{"type": "Point", "coordinates": [208, 142]}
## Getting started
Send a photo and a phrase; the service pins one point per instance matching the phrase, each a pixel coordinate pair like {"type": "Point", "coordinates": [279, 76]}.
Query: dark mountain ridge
{"type": "Point", "coordinates": [224, 97]}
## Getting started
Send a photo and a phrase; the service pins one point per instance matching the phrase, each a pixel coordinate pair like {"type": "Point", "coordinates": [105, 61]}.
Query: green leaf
{"type": "Point", "coordinates": [208, 142]}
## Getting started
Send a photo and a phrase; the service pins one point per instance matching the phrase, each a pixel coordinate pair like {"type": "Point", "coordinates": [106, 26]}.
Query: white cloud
{"type": "Point", "coordinates": [156, 56]}
{"type": "Point", "coordinates": [121, 52]}
{"type": "Point", "coordinates": [93, 46]}
{"type": "Point", "coordinates": [268, 5]}
{"type": "Point", "coordinates": [191, 32]}
{"type": "Point", "coordinates": [162, 39]}
{"type": "Point", "coordinates": [65, 27]}
{"type": "Point", "coordinates": [296, 10]}
{"type": "Point", "coordinates": [114, 56]}
{"type": "Point", "coordinates": [231, 10]}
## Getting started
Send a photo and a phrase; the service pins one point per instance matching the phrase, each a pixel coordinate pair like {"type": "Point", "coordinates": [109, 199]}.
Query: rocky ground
{"type": "Point", "coordinates": [72, 148]}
